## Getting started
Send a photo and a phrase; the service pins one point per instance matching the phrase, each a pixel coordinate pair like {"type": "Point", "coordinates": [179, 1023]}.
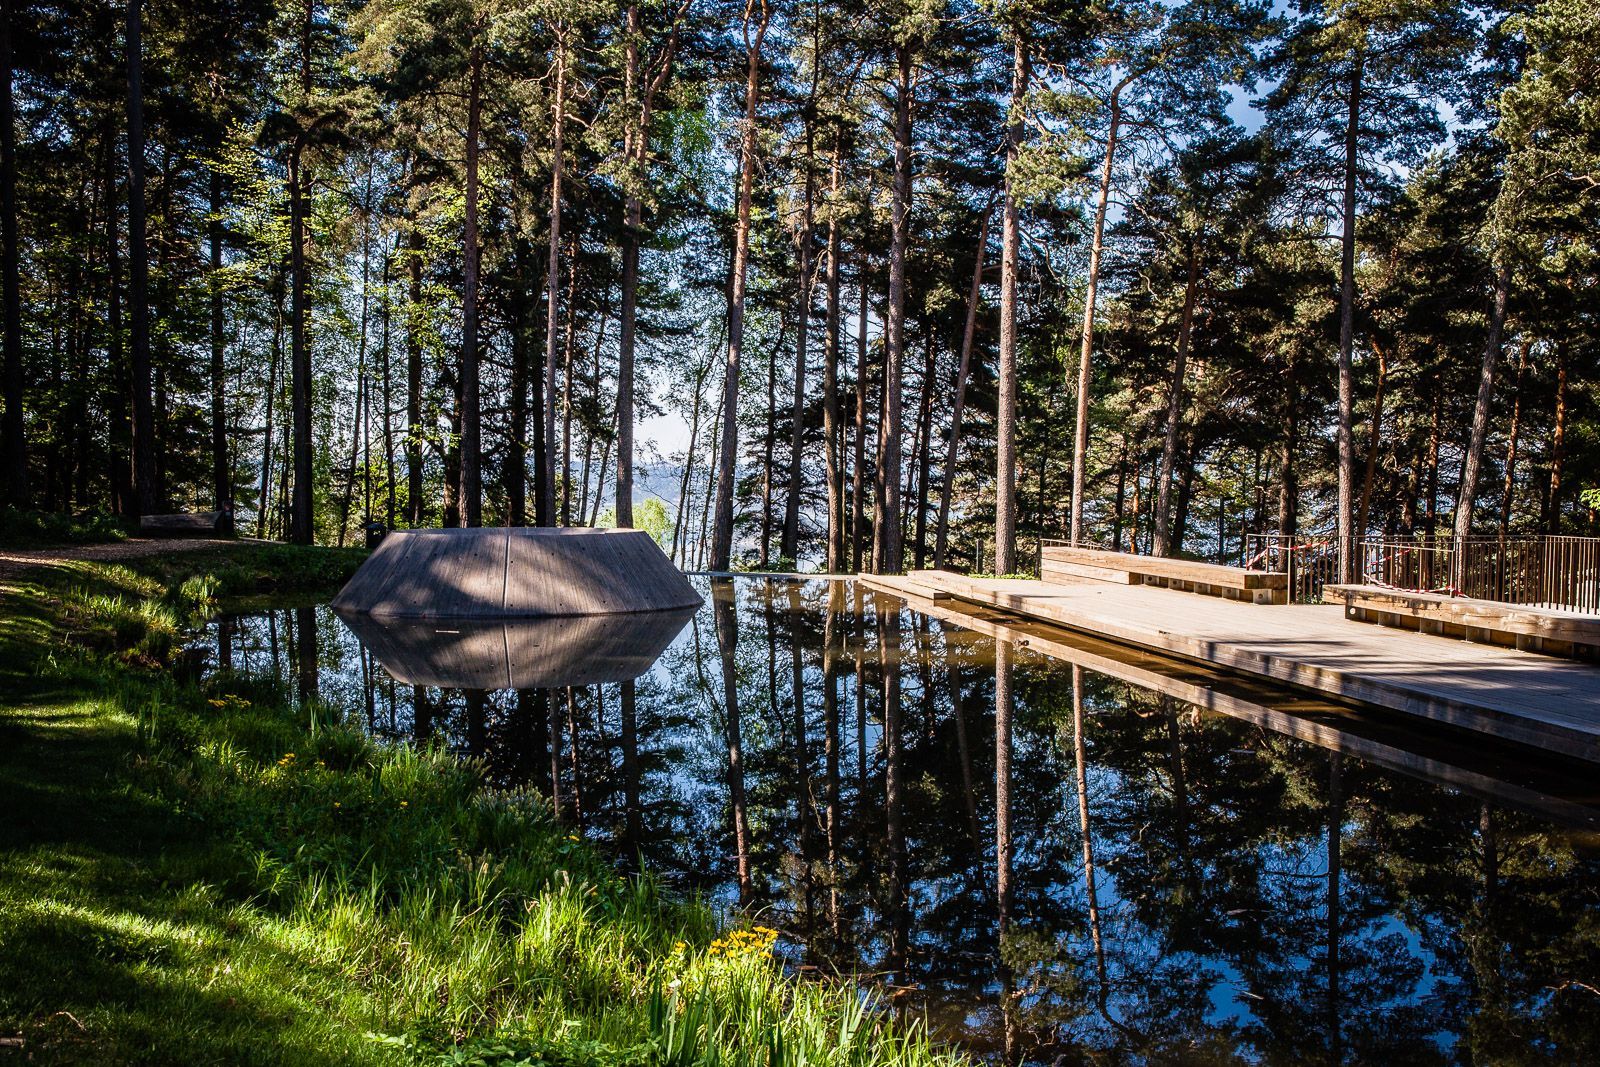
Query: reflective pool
{"type": "Point", "coordinates": [1053, 849]}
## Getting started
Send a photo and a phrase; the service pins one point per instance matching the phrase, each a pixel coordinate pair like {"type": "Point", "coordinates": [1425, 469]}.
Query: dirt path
{"type": "Point", "coordinates": [14, 562]}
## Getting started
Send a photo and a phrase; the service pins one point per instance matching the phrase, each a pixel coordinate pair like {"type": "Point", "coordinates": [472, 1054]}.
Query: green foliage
{"type": "Point", "coordinates": [24, 528]}
{"type": "Point", "coordinates": [649, 515]}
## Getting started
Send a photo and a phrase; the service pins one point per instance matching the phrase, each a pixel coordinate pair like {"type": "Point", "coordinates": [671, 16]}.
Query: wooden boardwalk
{"type": "Point", "coordinates": [1533, 700]}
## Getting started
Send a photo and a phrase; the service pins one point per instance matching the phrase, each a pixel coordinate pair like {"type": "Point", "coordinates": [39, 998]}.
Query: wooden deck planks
{"type": "Point", "coordinates": [1523, 697]}
{"type": "Point", "coordinates": [1165, 567]}
{"type": "Point", "coordinates": [1526, 626]}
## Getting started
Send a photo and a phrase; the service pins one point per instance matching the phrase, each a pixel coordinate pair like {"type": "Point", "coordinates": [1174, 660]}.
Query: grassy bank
{"type": "Point", "coordinates": [197, 873]}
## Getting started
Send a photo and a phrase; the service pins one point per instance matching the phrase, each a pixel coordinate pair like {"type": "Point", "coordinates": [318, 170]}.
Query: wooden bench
{"type": "Point", "coordinates": [187, 524]}
{"type": "Point", "coordinates": [1062, 563]}
{"type": "Point", "coordinates": [1532, 629]}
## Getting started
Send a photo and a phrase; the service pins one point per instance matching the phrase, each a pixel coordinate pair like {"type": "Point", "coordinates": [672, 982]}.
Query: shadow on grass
{"type": "Point", "coordinates": [114, 948]}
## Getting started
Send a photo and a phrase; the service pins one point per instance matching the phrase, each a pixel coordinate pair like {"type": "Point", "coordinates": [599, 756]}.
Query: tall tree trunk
{"type": "Point", "coordinates": [767, 449]}
{"type": "Point", "coordinates": [552, 287]}
{"type": "Point", "coordinates": [637, 149]}
{"type": "Point", "coordinates": [1558, 443]}
{"type": "Point", "coordinates": [1473, 461]}
{"type": "Point", "coordinates": [1180, 518]}
{"type": "Point", "coordinates": [1347, 326]}
{"type": "Point", "coordinates": [722, 527]}
{"type": "Point", "coordinates": [387, 308]}
{"type": "Point", "coordinates": [221, 475]}
{"type": "Point", "coordinates": [1005, 475]}
{"type": "Point", "coordinates": [1119, 500]}
{"type": "Point", "coordinates": [888, 550]}
{"type": "Point", "coordinates": [703, 543]}
{"type": "Point", "coordinates": [605, 461]}
{"type": "Point", "coordinates": [1374, 439]}
{"type": "Point", "coordinates": [471, 421]}
{"type": "Point", "coordinates": [414, 492]}
{"type": "Point", "coordinates": [1509, 485]}
{"type": "Point", "coordinates": [144, 443]}
{"type": "Point", "coordinates": [284, 504]}
{"type": "Point", "coordinates": [13, 446]}
{"type": "Point", "coordinates": [119, 429]}
{"type": "Point", "coordinates": [275, 358]}
{"type": "Point", "coordinates": [1431, 469]}
{"type": "Point", "coordinates": [301, 521]}
{"type": "Point", "coordinates": [958, 409]}
{"type": "Point", "coordinates": [568, 335]}
{"type": "Point", "coordinates": [451, 510]}
{"type": "Point", "coordinates": [589, 435]}
{"type": "Point", "coordinates": [858, 481]}
{"type": "Point", "coordinates": [1080, 439]}
{"type": "Point", "coordinates": [355, 450]}
{"type": "Point", "coordinates": [680, 532]}
{"type": "Point", "coordinates": [832, 429]}
{"type": "Point", "coordinates": [516, 464]}
{"type": "Point", "coordinates": [1161, 541]}
{"type": "Point", "coordinates": [358, 445]}
{"type": "Point", "coordinates": [789, 544]}
{"type": "Point", "coordinates": [636, 152]}
{"type": "Point", "coordinates": [1288, 471]}
{"type": "Point", "coordinates": [922, 456]}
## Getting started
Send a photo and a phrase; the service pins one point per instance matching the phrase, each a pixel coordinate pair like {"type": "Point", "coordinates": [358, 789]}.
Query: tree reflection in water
{"type": "Point", "coordinates": [1049, 863]}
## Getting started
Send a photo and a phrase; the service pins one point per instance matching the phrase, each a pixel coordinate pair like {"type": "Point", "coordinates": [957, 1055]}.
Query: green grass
{"type": "Point", "coordinates": [199, 873]}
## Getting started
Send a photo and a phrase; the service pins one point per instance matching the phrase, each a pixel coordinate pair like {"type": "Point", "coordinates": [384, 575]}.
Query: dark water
{"type": "Point", "coordinates": [1052, 861]}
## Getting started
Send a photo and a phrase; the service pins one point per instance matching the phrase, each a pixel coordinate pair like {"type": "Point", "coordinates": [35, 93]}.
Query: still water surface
{"type": "Point", "coordinates": [1049, 862]}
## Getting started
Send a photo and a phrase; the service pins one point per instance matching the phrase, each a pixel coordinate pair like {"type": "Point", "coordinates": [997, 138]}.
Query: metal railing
{"type": "Point", "coordinates": [1554, 572]}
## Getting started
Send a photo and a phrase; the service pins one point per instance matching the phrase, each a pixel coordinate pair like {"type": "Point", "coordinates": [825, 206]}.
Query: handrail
{"type": "Point", "coordinates": [1558, 571]}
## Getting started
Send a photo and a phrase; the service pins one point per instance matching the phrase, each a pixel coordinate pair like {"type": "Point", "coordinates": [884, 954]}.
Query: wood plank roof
{"type": "Point", "coordinates": [515, 572]}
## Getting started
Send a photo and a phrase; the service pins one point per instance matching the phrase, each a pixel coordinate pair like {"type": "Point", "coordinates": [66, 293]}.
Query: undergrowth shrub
{"type": "Point", "coordinates": [24, 528]}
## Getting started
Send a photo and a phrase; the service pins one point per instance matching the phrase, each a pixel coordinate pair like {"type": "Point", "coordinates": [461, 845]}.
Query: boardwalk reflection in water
{"type": "Point", "coordinates": [1055, 857]}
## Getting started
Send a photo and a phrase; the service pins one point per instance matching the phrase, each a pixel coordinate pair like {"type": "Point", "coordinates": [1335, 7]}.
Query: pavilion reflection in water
{"type": "Point", "coordinates": [1063, 855]}
{"type": "Point", "coordinates": [542, 653]}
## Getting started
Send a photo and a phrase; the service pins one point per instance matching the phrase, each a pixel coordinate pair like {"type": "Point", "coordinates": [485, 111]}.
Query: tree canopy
{"type": "Point", "coordinates": [843, 284]}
